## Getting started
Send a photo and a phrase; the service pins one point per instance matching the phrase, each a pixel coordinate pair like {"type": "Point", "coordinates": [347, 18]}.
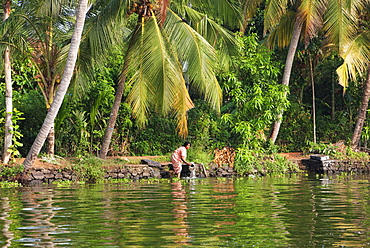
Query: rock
{"type": "Point", "coordinates": [67, 175]}
{"type": "Point", "coordinates": [113, 175]}
{"type": "Point", "coordinates": [151, 163]}
{"type": "Point", "coordinates": [38, 175]}
{"type": "Point", "coordinates": [319, 157]}
{"type": "Point", "coordinates": [59, 176]}
{"type": "Point", "coordinates": [49, 176]}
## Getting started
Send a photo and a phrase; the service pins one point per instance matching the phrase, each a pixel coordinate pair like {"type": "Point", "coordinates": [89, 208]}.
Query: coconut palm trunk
{"type": "Point", "coordinates": [8, 94]}
{"type": "Point", "coordinates": [286, 75]}
{"type": "Point", "coordinates": [66, 79]}
{"type": "Point", "coordinates": [112, 120]}
{"type": "Point", "coordinates": [361, 113]}
{"type": "Point", "coordinates": [51, 142]}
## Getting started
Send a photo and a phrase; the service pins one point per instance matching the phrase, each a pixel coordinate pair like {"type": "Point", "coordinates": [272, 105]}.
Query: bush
{"type": "Point", "coordinates": [89, 169]}
{"type": "Point", "coordinates": [258, 162]}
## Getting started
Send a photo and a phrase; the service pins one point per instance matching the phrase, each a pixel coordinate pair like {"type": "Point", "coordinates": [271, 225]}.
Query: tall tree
{"type": "Point", "coordinates": [286, 76]}
{"type": "Point", "coordinates": [356, 136]}
{"type": "Point", "coordinates": [8, 93]}
{"type": "Point", "coordinates": [40, 32]}
{"type": "Point", "coordinates": [62, 89]}
{"type": "Point", "coordinates": [300, 18]}
{"type": "Point", "coordinates": [348, 28]}
{"type": "Point", "coordinates": [166, 37]}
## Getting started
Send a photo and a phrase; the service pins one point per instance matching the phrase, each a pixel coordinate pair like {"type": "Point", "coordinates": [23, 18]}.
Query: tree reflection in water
{"type": "Point", "coordinates": [6, 208]}
{"type": "Point", "coordinates": [180, 213]}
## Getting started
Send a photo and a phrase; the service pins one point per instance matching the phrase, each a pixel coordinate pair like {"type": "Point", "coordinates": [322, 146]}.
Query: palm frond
{"type": "Point", "coordinates": [229, 11]}
{"type": "Point", "coordinates": [273, 12]}
{"type": "Point", "coordinates": [220, 38]}
{"type": "Point", "coordinates": [157, 77]}
{"type": "Point", "coordinates": [356, 58]}
{"type": "Point", "coordinates": [340, 22]}
{"type": "Point", "coordinates": [54, 7]}
{"type": "Point", "coordinates": [249, 8]}
{"type": "Point", "coordinates": [310, 12]}
{"type": "Point", "coordinates": [181, 106]}
{"type": "Point", "coordinates": [199, 55]}
{"type": "Point", "coordinates": [281, 34]}
{"type": "Point", "coordinates": [104, 29]}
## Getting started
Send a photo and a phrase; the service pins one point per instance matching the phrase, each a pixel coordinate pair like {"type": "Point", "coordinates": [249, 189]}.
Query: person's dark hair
{"type": "Point", "coordinates": [186, 143]}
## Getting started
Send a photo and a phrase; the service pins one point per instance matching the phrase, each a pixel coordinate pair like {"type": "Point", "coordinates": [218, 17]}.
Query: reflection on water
{"type": "Point", "coordinates": [180, 211]}
{"type": "Point", "coordinates": [295, 211]}
{"type": "Point", "coordinates": [7, 221]}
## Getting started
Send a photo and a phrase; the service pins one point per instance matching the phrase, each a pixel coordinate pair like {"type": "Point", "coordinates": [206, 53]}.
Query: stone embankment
{"type": "Point", "coordinates": [151, 169]}
{"type": "Point", "coordinates": [147, 169]}
{"type": "Point", "coordinates": [335, 166]}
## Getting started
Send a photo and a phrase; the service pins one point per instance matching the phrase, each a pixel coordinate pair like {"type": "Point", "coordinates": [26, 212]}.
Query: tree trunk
{"type": "Point", "coordinates": [313, 103]}
{"type": "Point", "coordinates": [8, 136]}
{"type": "Point", "coordinates": [361, 113]}
{"type": "Point", "coordinates": [63, 87]}
{"type": "Point", "coordinates": [51, 142]}
{"type": "Point", "coordinates": [332, 100]}
{"type": "Point", "coordinates": [286, 76]}
{"type": "Point", "coordinates": [112, 120]}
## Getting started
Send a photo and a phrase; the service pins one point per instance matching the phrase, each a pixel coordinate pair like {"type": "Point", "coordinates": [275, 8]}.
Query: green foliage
{"type": "Point", "coordinates": [23, 78]}
{"type": "Point", "coordinates": [10, 171]}
{"type": "Point", "coordinates": [89, 169]}
{"type": "Point", "coordinates": [253, 96]}
{"type": "Point", "coordinates": [259, 162]}
{"type": "Point", "coordinates": [321, 148]}
{"type": "Point", "coordinates": [365, 135]}
{"type": "Point", "coordinates": [81, 122]}
{"type": "Point", "coordinates": [296, 129]}
{"type": "Point", "coordinates": [246, 162]}
{"type": "Point", "coordinates": [206, 132]}
{"type": "Point", "coordinates": [199, 155]}
{"type": "Point", "coordinates": [335, 110]}
{"type": "Point", "coordinates": [33, 107]}
{"type": "Point", "coordinates": [159, 137]}
{"type": "Point", "coordinates": [6, 184]}
{"type": "Point", "coordinates": [17, 135]}
{"type": "Point", "coordinates": [352, 155]}
{"type": "Point", "coordinates": [336, 152]}
{"type": "Point", "coordinates": [56, 160]}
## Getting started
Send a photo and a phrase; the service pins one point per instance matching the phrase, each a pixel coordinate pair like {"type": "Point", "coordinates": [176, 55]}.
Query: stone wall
{"type": "Point", "coordinates": [335, 166]}
{"type": "Point", "coordinates": [146, 170]}
{"type": "Point", "coordinates": [152, 169]}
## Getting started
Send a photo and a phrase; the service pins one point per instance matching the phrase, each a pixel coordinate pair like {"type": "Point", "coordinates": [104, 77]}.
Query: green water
{"type": "Point", "coordinates": [287, 211]}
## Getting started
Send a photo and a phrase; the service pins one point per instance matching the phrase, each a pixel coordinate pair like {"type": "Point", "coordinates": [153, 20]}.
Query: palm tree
{"type": "Point", "coordinates": [41, 32]}
{"type": "Point", "coordinates": [355, 51]}
{"type": "Point", "coordinates": [8, 93]}
{"type": "Point", "coordinates": [38, 32]}
{"type": "Point", "coordinates": [64, 83]}
{"type": "Point", "coordinates": [356, 136]}
{"type": "Point", "coordinates": [165, 38]}
{"type": "Point", "coordinates": [340, 21]}
{"type": "Point", "coordinates": [301, 18]}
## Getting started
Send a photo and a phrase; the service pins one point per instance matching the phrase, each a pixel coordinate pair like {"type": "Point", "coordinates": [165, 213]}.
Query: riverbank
{"type": "Point", "coordinates": [112, 168]}
{"type": "Point", "coordinates": [46, 170]}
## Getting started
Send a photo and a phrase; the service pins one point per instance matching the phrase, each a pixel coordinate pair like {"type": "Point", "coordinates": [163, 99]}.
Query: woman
{"type": "Point", "coordinates": [178, 157]}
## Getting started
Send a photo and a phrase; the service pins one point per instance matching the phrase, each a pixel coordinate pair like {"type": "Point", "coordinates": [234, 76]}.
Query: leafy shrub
{"type": "Point", "coordinates": [198, 155]}
{"type": "Point", "coordinates": [11, 170]}
{"type": "Point", "coordinates": [253, 162]}
{"type": "Point", "coordinates": [89, 169]}
{"type": "Point", "coordinates": [320, 148]}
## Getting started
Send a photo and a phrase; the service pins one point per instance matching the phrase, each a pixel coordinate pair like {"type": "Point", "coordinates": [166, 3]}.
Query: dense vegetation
{"type": "Point", "coordinates": [252, 98]}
